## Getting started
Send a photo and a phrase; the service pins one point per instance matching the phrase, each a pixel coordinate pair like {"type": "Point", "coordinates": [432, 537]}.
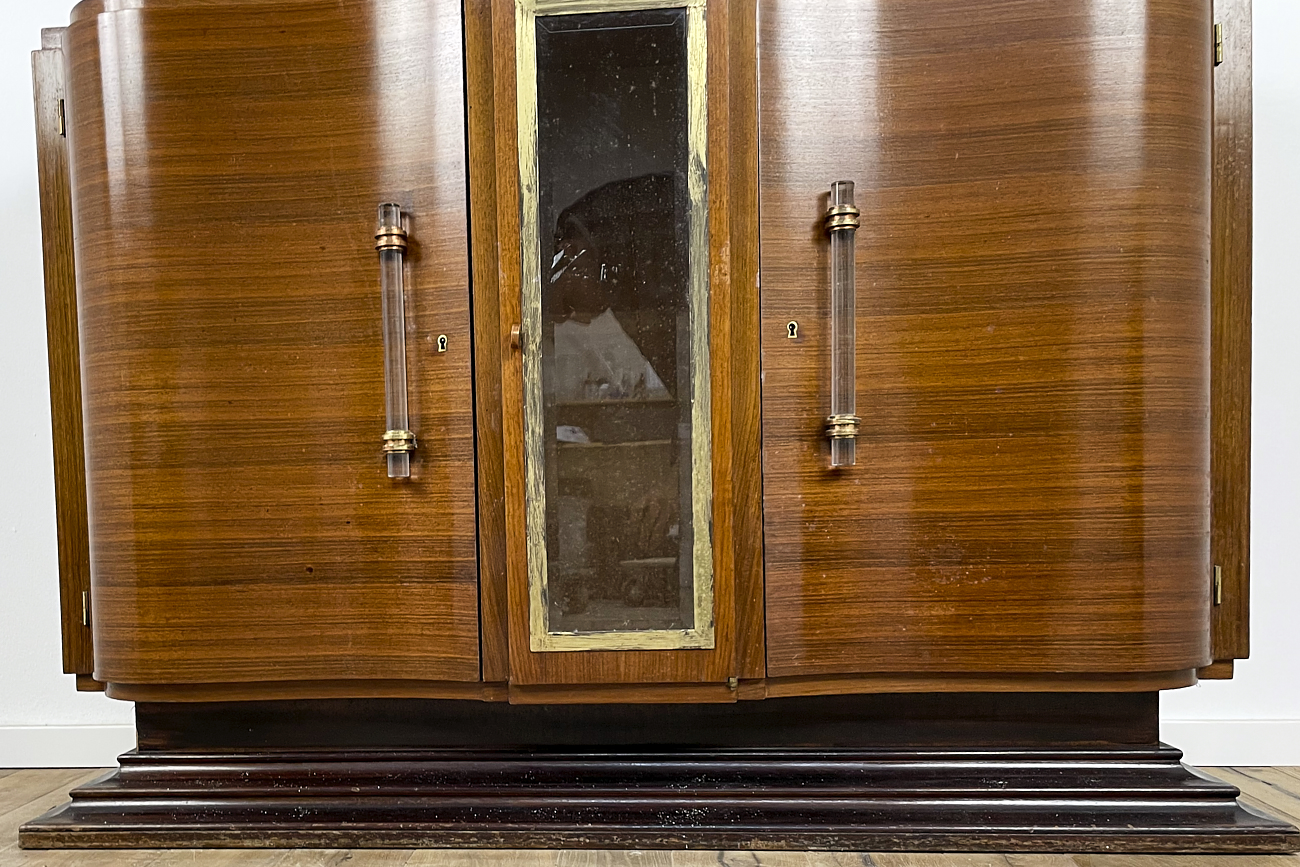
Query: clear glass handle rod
{"type": "Point", "coordinates": [390, 241]}
{"type": "Point", "coordinates": [842, 424]}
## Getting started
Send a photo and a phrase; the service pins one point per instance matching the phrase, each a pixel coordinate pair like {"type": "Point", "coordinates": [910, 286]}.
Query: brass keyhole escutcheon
{"type": "Point", "coordinates": [792, 329]}
{"type": "Point", "coordinates": [442, 343]}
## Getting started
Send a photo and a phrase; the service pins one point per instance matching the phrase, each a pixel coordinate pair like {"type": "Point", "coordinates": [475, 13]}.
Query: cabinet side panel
{"type": "Point", "coordinates": [65, 376]}
{"type": "Point", "coordinates": [228, 163]}
{"type": "Point", "coordinates": [1031, 489]}
{"type": "Point", "coordinates": [746, 332]}
{"type": "Point", "coordinates": [490, 340]}
{"type": "Point", "coordinates": [1230, 333]}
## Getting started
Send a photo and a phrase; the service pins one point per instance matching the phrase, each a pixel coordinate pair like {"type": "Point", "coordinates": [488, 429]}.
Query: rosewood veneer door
{"type": "Point", "coordinates": [228, 162]}
{"type": "Point", "coordinates": [1031, 486]}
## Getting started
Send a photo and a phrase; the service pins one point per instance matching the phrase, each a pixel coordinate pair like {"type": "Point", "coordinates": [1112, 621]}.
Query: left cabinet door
{"type": "Point", "coordinates": [227, 165]}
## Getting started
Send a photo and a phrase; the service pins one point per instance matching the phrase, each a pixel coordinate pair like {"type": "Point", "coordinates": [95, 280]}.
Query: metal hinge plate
{"type": "Point", "coordinates": [63, 119]}
{"type": "Point", "coordinates": [1218, 585]}
{"type": "Point", "coordinates": [1218, 44]}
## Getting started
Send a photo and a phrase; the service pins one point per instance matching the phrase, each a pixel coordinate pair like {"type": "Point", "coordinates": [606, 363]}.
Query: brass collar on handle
{"type": "Point", "coordinates": [842, 427]}
{"type": "Point", "coordinates": [841, 217]}
{"type": "Point", "coordinates": [397, 441]}
{"type": "Point", "coordinates": [391, 238]}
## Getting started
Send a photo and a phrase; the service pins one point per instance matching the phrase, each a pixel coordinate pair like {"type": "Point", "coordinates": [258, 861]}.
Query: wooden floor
{"type": "Point", "coordinates": [25, 794]}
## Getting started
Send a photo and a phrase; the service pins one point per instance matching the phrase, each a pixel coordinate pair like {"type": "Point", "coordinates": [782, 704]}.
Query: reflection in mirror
{"type": "Point", "coordinates": [618, 406]}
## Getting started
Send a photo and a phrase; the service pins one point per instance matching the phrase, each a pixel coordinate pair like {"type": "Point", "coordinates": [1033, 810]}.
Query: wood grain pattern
{"type": "Point", "coordinates": [1031, 492]}
{"type": "Point", "coordinates": [49, 94]}
{"type": "Point", "coordinates": [1221, 670]}
{"type": "Point", "coordinates": [967, 682]}
{"type": "Point", "coordinates": [27, 786]}
{"type": "Point", "coordinates": [1230, 332]}
{"type": "Point", "coordinates": [629, 667]}
{"type": "Point", "coordinates": [491, 340]}
{"type": "Point", "coordinates": [308, 690]}
{"type": "Point", "coordinates": [227, 164]}
{"type": "Point", "coordinates": [622, 693]}
{"type": "Point", "coordinates": [86, 683]}
{"type": "Point", "coordinates": [26, 791]}
{"type": "Point", "coordinates": [746, 361]}
{"type": "Point", "coordinates": [1278, 788]}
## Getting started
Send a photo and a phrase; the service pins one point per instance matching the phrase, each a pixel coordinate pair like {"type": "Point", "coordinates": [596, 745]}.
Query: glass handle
{"type": "Point", "coordinates": [390, 241]}
{"type": "Point", "coordinates": [842, 424]}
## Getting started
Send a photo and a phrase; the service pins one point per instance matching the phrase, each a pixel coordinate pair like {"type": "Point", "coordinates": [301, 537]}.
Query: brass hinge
{"type": "Point", "coordinates": [85, 608]}
{"type": "Point", "coordinates": [1218, 585]}
{"type": "Point", "coordinates": [1218, 44]}
{"type": "Point", "coordinates": [63, 119]}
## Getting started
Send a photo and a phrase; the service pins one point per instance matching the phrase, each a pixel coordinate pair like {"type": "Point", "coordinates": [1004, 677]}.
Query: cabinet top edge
{"type": "Point", "coordinates": [87, 10]}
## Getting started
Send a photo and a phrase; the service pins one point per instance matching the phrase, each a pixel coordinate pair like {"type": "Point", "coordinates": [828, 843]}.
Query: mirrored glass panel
{"type": "Point", "coordinates": [616, 328]}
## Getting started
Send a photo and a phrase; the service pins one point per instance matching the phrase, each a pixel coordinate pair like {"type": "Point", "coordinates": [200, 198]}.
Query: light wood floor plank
{"type": "Point", "coordinates": [1260, 794]}
{"type": "Point", "coordinates": [15, 857]}
{"type": "Point", "coordinates": [612, 858]}
{"type": "Point", "coordinates": [474, 858]}
{"type": "Point", "coordinates": [1180, 861]}
{"type": "Point", "coordinates": [197, 858]}
{"type": "Point", "coordinates": [1285, 786]}
{"type": "Point", "coordinates": [705, 859]}
{"type": "Point", "coordinates": [361, 858]}
{"type": "Point", "coordinates": [784, 859]}
{"type": "Point", "coordinates": [34, 792]}
{"type": "Point", "coordinates": [908, 859]}
{"type": "Point", "coordinates": [21, 788]}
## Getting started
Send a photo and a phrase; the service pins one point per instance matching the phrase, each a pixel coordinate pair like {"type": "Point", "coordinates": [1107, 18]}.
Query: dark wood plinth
{"type": "Point", "coordinates": [1118, 800]}
{"type": "Point", "coordinates": [926, 772]}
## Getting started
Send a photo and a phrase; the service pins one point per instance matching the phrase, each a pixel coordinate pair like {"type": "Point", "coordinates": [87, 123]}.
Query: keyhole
{"type": "Point", "coordinates": [442, 343]}
{"type": "Point", "coordinates": [792, 329]}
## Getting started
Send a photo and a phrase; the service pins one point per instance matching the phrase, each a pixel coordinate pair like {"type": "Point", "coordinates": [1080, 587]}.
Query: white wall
{"type": "Point", "coordinates": [1267, 686]}
{"type": "Point", "coordinates": [33, 691]}
{"type": "Point", "coordinates": [1254, 719]}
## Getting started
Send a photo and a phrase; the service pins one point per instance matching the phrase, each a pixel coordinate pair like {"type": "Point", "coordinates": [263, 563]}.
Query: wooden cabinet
{"type": "Point", "coordinates": [617, 336]}
{"type": "Point", "coordinates": [1030, 504]}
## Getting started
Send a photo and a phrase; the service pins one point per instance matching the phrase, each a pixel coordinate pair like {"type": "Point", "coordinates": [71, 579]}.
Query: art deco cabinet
{"type": "Point", "coordinates": [650, 422]}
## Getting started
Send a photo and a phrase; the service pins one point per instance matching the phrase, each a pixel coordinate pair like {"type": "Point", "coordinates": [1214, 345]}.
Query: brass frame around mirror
{"type": "Point", "coordinates": [701, 633]}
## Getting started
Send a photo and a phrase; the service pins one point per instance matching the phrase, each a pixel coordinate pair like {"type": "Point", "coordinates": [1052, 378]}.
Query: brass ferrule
{"type": "Point", "coordinates": [842, 427]}
{"type": "Point", "coordinates": [391, 238]}
{"type": "Point", "coordinates": [398, 441]}
{"type": "Point", "coordinates": [842, 217]}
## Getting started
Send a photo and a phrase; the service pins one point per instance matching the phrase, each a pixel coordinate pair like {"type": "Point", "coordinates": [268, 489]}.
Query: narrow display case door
{"type": "Point", "coordinates": [615, 331]}
{"type": "Point", "coordinates": [618, 537]}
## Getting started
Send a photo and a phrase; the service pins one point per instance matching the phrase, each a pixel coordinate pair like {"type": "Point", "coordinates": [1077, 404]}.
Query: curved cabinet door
{"type": "Point", "coordinates": [228, 161]}
{"type": "Point", "coordinates": [1030, 492]}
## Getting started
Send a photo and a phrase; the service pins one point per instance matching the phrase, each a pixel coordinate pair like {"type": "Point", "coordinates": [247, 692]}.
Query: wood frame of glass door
{"type": "Point", "coordinates": [685, 673]}
{"type": "Point", "coordinates": [543, 636]}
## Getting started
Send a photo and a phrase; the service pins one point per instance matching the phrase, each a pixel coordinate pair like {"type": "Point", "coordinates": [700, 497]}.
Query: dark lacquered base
{"type": "Point", "coordinates": [1098, 797]}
